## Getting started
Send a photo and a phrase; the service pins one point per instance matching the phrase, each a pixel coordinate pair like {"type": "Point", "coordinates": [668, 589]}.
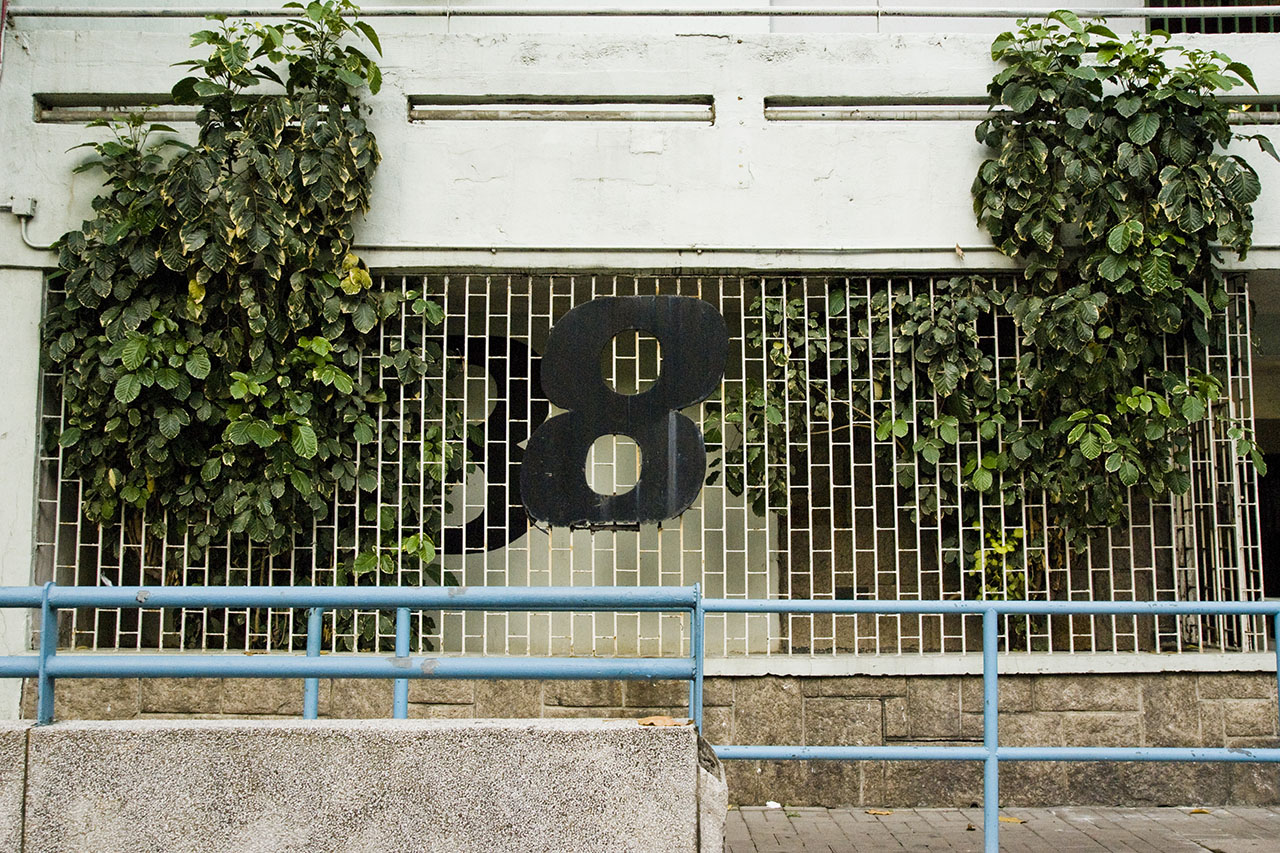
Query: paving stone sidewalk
{"type": "Point", "coordinates": [757, 829]}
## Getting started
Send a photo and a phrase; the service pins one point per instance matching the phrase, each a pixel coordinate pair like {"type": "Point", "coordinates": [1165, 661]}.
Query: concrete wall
{"type": "Point", "coordinates": [1185, 709]}
{"type": "Point", "coordinates": [373, 785]}
{"type": "Point", "coordinates": [760, 186]}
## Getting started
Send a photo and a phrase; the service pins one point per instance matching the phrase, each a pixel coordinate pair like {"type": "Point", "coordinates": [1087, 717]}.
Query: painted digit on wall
{"type": "Point", "coordinates": [694, 344]}
{"type": "Point", "coordinates": [518, 404]}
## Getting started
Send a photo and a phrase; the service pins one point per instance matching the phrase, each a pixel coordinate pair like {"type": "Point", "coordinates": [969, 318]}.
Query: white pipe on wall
{"type": "Point", "coordinates": [447, 11]}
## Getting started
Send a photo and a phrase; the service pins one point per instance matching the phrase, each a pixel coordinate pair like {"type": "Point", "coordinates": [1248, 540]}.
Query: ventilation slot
{"type": "Point", "coordinates": [80, 108]}
{"type": "Point", "coordinates": [698, 108]}
{"type": "Point", "coordinates": [792, 108]}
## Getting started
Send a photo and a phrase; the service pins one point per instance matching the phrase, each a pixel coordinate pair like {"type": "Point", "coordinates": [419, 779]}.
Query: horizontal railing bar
{"type": "Point", "coordinates": [371, 597]}
{"type": "Point", "coordinates": [1084, 608]}
{"type": "Point", "coordinates": [581, 599]}
{"type": "Point", "coordinates": [875, 114]}
{"type": "Point", "coordinates": [20, 666]}
{"type": "Point", "coordinates": [68, 115]}
{"type": "Point", "coordinates": [1005, 753]}
{"type": "Point", "coordinates": [21, 596]}
{"type": "Point", "coordinates": [850, 753]}
{"type": "Point", "coordinates": [1139, 753]}
{"type": "Point", "coordinates": [366, 666]}
{"type": "Point", "coordinates": [657, 11]}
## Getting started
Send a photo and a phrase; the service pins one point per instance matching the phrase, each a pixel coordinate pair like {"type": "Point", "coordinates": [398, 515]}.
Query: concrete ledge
{"type": "Point", "coordinates": [420, 785]}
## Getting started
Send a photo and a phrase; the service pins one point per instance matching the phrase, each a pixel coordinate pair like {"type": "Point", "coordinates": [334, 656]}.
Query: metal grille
{"type": "Point", "coordinates": [831, 514]}
{"type": "Point", "coordinates": [1243, 23]}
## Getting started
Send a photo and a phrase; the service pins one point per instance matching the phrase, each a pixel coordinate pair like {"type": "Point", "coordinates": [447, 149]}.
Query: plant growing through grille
{"type": "Point", "coordinates": [214, 315]}
{"type": "Point", "coordinates": [1108, 181]}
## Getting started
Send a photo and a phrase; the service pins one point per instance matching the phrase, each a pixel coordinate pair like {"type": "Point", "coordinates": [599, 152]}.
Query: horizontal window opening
{"type": "Point", "coordinates": [697, 108]}
{"type": "Point", "coordinates": [82, 108]}
{"type": "Point", "coordinates": [1260, 110]}
{"type": "Point", "coordinates": [892, 108]}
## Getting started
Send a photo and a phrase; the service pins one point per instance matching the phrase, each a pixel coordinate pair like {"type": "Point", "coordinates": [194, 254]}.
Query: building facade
{"type": "Point", "coordinates": [801, 176]}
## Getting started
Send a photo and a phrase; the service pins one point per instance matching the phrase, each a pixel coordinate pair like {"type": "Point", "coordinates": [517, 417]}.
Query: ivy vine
{"type": "Point", "coordinates": [1109, 181]}
{"type": "Point", "coordinates": [216, 326]}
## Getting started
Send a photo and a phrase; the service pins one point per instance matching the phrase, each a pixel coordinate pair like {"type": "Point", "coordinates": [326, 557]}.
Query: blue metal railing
{"type": "Point", "coordinates": [47, 665]}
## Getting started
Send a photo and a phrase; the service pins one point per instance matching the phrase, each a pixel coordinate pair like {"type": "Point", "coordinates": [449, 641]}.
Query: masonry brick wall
{"type": "Point", "coordinates": [1207, 709]}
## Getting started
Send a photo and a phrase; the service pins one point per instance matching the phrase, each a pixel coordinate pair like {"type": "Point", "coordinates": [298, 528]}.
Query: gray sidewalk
{"type": "Point", "coordinates": [756, 829]}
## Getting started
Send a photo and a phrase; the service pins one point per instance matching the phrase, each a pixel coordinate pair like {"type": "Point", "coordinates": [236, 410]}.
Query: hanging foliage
{"type": "Point", "coordinates": [215, 317]}
{"type": "Point", "coordinates": [1108, 179]}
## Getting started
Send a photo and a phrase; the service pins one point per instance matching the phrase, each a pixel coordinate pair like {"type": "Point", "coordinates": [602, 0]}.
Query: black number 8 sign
{"type": "Point", "coordinates": [693, 344]}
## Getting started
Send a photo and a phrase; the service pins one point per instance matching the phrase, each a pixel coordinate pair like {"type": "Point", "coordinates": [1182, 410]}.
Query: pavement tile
{"type": "Point", "coordinates": [1060, 830]}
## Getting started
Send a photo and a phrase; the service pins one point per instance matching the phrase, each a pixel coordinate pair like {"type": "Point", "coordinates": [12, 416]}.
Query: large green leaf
{"type": "Point", "coordinates": [1118, 239]}
{"type": "Point", "coordinates": [172, 421]}
{"type": "Point", "coordinates": [304, 441]}
{"type": "Point", "coordinates": [237, 432]}
{"type": "Point", "coordinates": [1078, 117]}
{"type": "Point", "coordinates": [1020, 98]}
{"type": "Point", "coordinates": [128, 387]}
{"type": "Point", "coordinates": [1113, 267]}
{"type": "Point", "coordinates": [1143, 128]}
{"type": "Point", "coordinates": [198, 364]}
{"type": "Point", "coordinates": [1177, 146]}
{"type": "Point", "coordinates": [134, 352]}
{"type": "Point", "coordinates": [365, 317]}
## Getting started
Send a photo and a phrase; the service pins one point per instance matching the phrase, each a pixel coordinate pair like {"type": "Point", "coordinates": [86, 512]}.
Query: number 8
{"type": "Point", "coordinates": [694, 344]}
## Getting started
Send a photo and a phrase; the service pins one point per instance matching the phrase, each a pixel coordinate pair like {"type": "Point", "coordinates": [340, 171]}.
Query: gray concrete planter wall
{"type": "Point", "coordinates": [370, 785]}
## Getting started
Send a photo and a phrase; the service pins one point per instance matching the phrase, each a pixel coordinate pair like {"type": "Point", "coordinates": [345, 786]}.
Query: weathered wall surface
{"type": "Point", "coordinates": [1204, 709]}
{"type": "Point", "coordinates": [371, 785]}
{"type": "Point", "coordinates": [742, 181]}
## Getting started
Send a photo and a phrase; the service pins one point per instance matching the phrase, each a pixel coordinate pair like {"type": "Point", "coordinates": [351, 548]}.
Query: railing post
{"type": "Point", "coordinates": [400, 697]}
{"type": "Point", "coordinates": [48, 648]}
{"type": "Point", "coordinates": [311, 686]}
{"type": "Point", "coordinates": [990, 733]}
{"type": "Point", "coordinates": [697, 651]}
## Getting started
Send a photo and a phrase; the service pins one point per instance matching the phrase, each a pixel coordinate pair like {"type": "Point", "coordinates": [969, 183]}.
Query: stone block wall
{"type": "Point", "coordinates": [1171, 709]}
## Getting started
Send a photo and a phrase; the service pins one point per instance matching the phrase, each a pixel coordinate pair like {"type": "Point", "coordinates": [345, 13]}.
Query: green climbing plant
{"type": "Point", "coordinates": [217, 340]}
{"type": "Point", "coordinates": [1109, 180]}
